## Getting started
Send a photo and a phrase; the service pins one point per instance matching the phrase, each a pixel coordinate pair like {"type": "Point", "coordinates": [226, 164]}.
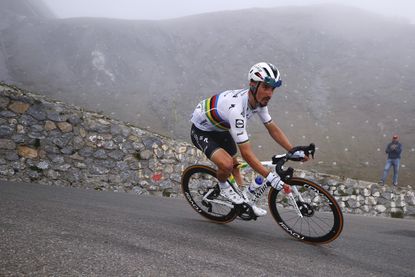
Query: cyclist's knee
{"type": "Point", "coordinates": [223, 161]}
{"type": "Point", "coordinates": [225, 164]}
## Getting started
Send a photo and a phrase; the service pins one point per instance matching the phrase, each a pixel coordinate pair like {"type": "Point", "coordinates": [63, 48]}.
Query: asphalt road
{"type": "Point", "coordinates": [55, 231]}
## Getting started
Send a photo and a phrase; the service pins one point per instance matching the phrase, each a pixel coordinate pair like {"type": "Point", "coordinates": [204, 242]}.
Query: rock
{"type": "Point", "coordinates": [63, 167]}
{"type": "Point", "coordinates": [353, 203]}
{"type": "Point", "coordinates": [27, 152]}
{"type": "Point", "coordinates": [100, 154]}
{"type": "Point", "coordinates": [78, 143]}
{"type": "Point", "coordinates": [365, 209]}
{"type": "Point", "coordinates": [116, 154]}
{"type": "Point", "coordinates": [37, 112]}
{"type": "Point", "coordinates": [365, 192]}
{"type": "Point", "coordinates": [370, 201]}
{"type": "Point", "coordinates": [410, 211]}
{"type": "Point", "coordinates": [56, 116]}
{"type": "Point", "coordinates": [376, 194]}
{"type": "Point", "coordinates": [11, 156]}
{"type": "Point", "coordinates": [7, 144]}
{"type": "Point", "coordinates": [82, 132]}
{"type": "Point", "coordinates": [5, 171]}
{"type": "Point", "coordinates": [145, 155]}
{"type": "Point", "coordinates": [43, 165]}
{"type": "Point", "coordinates": [4, 102]}
{"type": "Point", "coordinates": [109, 144]}
{"type": "Point", "coordinates": [7, 114]}
{"type": "Point", "coordinates": [77, 157]}
{"type": "Point", "coordinates": [6, 131]}
{"type": "Point", "coordinates": [19, 107]}
{"type": "Point", "coordinates": [181, 150]}
{"type": "Point", "coordinates": [410, 198]}
{"type": "Point", "coordinates": [80, 165]}
{"type": "Point", "coordinates": [65, 127]}
{"type": "Point", "coordinates": [380, 208]}
{"type": "Point", "coordinates": [20, 129]}
{"type": "Point", "coordinates": [388, 195]}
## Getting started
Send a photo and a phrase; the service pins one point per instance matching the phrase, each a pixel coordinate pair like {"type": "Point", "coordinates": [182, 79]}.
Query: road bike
{"type": "Point", "coordinates": [302, 208]}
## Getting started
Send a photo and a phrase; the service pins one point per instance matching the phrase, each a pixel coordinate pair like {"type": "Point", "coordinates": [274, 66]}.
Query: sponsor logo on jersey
{"type": "Point", "coordinates": [239, 123]}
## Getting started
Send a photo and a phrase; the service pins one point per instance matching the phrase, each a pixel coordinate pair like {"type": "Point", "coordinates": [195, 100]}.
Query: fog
{"type": "Point", "coordinates": [164, 9]}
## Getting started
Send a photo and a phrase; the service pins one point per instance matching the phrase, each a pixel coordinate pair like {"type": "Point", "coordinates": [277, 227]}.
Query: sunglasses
{"type": "Point", "coordinates": [271, 82]}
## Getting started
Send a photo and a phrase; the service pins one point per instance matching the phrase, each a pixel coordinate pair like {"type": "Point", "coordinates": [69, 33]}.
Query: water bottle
{"type": "Point", "coordinates": [257, 183]}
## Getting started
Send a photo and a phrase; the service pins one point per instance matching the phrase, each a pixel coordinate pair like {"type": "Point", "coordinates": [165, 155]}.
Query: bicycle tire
{"type": "Point", "coordinates": [196, 181]}
{"type": "Point", "coordinates": [322, 220]}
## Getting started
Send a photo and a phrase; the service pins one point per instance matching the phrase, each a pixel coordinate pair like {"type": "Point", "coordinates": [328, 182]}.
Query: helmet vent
{"type": "Point", "coordinates": [268, 73]}
{"type": "Point", "coordinates": [259, 75]}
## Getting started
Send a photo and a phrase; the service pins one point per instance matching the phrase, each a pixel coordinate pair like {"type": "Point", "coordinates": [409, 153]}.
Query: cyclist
{"type": "Point", "coordinates": [220, 121]}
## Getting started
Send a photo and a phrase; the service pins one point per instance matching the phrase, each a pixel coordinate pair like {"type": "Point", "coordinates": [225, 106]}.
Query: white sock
{"type": "Point", "coordinates": [224, 185]}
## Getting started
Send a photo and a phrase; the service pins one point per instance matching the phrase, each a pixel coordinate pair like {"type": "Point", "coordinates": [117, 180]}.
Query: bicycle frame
{"type": "Point", "coordinates": [302, 208]}
{"type": "Point", "coordinates": [287, 188]}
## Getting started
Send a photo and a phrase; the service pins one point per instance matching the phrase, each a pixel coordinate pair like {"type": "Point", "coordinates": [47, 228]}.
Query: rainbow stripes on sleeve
{"type": "Point", "coordinates": [211, 110]}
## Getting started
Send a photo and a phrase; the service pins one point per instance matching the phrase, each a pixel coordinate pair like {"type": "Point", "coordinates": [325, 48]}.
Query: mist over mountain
{"type": "Point", "coordinates": [347, 74]}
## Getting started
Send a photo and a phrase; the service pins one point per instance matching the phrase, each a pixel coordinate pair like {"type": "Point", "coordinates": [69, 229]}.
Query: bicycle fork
{"type": "Point", "coordinates": [288, 190]}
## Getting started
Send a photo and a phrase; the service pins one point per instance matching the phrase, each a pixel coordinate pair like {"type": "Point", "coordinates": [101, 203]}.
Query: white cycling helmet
{"type": "Point", "coordinates": [265, 72]}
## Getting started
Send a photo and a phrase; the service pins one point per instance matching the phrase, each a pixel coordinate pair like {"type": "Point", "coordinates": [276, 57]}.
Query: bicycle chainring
{"type": "Point", "coordinates": [245, 212]}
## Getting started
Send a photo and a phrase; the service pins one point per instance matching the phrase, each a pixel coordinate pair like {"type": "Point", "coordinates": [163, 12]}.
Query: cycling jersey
{"type": "Point", "coordinates": [228, 111]}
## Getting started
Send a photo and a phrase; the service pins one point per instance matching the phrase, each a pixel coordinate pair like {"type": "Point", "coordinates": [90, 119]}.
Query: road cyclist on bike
{"type": "Point", "coordinates": [219, 124]}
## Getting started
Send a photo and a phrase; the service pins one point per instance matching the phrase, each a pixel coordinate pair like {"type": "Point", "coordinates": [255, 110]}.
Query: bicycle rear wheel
{"type": "Point", "coordinates": [197, 181]}
{"type": "Point", "coordinates": [322, 219]}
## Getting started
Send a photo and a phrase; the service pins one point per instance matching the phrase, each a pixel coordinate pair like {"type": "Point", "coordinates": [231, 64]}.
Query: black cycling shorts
{"type": "Point", "coordinates": [209, 142]}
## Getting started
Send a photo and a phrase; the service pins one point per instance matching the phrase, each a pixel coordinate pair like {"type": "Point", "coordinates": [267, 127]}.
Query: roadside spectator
{"type": "Point", "coordinates": [393, 150]}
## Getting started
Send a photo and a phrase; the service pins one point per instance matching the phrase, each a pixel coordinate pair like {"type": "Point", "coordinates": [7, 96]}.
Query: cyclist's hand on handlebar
{"type": "Point", "coordinates": [301, 153]}
{"type": "Point", "coordinates": [275, 181]}
{"type": "Point", "coordinates": [298, 155]}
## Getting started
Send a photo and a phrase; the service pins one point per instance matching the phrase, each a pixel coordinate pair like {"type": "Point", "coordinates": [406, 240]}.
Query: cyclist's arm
{"type": "Point", "coordinates": [249, 156]}
{"type": "Point", "coordinates": [278, 135]}
{"type": "Point", "coordinates": [240, 135]}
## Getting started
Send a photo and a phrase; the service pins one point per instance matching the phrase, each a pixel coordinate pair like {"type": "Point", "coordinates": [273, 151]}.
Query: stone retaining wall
{"type": "Point", "coordinates": [50, 142]}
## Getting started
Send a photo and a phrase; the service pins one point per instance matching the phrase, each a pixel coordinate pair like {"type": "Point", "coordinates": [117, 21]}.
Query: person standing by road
{"type": "Point", "coordinates": [393, 149]}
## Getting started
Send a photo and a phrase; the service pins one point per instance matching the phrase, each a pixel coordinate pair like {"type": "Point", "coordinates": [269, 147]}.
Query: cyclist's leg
{"type": "Point", "coordinates": [236, 172]}
{"type": "Point", "coordinates": [224, 162]}
{"type": "Point", "coordinates": [227, 143]}
{"type": "Point", "coordinates": [211, 143]}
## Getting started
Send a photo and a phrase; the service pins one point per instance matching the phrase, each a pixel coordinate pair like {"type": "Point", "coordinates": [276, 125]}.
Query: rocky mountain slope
{"type": "Point", "coordinates": [347, 74]}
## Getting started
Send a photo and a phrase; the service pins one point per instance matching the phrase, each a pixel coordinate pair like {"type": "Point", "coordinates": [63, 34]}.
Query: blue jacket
{"type": "Point", "coordinates": [394, 150]}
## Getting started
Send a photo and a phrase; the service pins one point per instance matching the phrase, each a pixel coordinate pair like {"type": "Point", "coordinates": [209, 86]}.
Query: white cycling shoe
{"type": "Point", "coordinates": [231, 195]}
{"type": "Point", "coordinates": [257, 210]}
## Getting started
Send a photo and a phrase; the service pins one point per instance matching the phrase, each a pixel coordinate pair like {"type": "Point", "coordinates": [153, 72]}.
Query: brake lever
{"type": "Point", "coordinates": [311, 150]}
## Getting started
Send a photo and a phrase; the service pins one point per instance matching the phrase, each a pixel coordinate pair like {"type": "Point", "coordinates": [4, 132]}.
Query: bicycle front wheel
{"type": "Point", "coordinates": [318, 218]}
{"type": "Point", "coordinates": [201, 189]}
